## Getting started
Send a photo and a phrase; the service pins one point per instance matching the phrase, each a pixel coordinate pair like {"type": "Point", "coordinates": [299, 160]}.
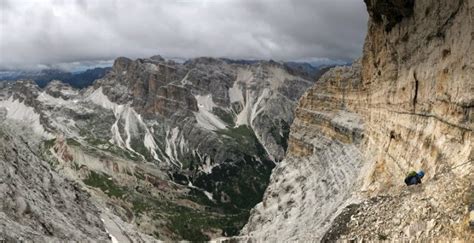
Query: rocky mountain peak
{"type": "Point", "coordinates": [157, 58]}
{"type": "Point", "coordinates": [57, 88]}
{"type": "Point", "coordinates": [204, 61]}
{"type": "Point", "coordinates": [121, 64]}
{"type": "Point", "coordinates": [24, 90]}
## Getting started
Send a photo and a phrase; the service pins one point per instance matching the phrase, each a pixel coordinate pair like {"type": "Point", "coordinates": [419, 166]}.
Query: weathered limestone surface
{"type": "Point", "coordinates": [406, 105]}
{"type": "Point", "coordinates": [37, 203]}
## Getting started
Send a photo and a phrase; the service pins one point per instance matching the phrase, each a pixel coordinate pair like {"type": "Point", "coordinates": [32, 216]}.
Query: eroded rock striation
{"type": "Point", "coordinates": [406, 105]}
{"type": "Point", "coordinates": [169, 150]}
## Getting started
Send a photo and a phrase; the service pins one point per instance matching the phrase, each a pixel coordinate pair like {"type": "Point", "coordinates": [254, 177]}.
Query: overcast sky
{"type": "Point", "coordinates": [48, 32]}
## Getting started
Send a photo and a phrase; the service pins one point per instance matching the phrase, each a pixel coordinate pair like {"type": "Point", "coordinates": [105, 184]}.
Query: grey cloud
{"type": "Point", "coordinates": [49, 32]}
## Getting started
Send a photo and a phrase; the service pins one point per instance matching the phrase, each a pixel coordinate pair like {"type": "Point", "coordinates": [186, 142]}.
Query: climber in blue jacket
{"type": "Point", "coordinates": [414, 178]}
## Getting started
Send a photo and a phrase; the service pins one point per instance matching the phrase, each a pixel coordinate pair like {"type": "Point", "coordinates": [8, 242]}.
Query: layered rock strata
{"type": "Point", "coordinates": [407, 105]}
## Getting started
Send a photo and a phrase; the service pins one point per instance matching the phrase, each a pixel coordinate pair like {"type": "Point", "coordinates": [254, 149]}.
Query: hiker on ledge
{"type": "Point", "coordinates": [414, 178]}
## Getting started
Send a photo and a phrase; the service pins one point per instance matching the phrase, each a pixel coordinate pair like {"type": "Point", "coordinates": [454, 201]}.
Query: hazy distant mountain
{"type": "Point", "coordinates": [309, 70]}
{"type": "Point", "coordinates": [85, 78]}
{"type": "Point", "coordinates": [43, 77]}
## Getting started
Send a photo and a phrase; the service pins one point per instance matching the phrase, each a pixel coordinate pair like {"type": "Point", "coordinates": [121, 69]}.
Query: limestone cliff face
{"type": "Point", "coordinates": [418, 77]}
{"type": "Point", "coordinates": [406, 105]}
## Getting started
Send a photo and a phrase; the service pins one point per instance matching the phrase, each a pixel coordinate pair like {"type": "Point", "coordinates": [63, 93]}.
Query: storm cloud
{"type": "Point", "coordinates": [48, 32]}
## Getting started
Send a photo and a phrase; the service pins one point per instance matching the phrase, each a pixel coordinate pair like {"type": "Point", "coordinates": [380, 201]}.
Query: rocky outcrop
{"type": "Point", "coordinates": [389, 13]}
{"type": "Point", "coordinates": [408, 105]}
{"type": "Point", "coordinates": [37, 203]}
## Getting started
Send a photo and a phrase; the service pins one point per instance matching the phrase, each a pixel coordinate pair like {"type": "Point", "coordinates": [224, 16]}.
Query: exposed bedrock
{"type": "Point", "coordinates": [37, 203]}
{"type": "Point", "coordinates": [406, 105]}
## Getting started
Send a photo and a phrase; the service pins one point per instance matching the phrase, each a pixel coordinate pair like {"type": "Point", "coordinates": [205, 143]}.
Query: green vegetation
{"type": "Point", "coordinates": [46, 154]}
{"type": "Point", "coordinates": [186, 222]}
{"type": "Point", "coordinates": [140, 206]}
{"type": "Point", "coordinates": [105, 183]}
{"type": "Point", "coordinates": [140, 148]}
{"type": "Point", "coordinates": [103, 145]}
{"type": "Point", "coordinates": [224, 115]}
{"type": "Point", "coordinates": [139, 174]}
{"type": "Point", "coordinates": [52, 161]}
{"type": "Point", "coordinates": [189, 223]}
{"type": "Point", "coordinates": [73, 142]}
{"type": "Point", "coordinates": [382, 236]}
{"type": "Point", "coordinates": [281, 139]}
{"type": "Point", "coordinates": [75, 166]}
{"type": "Point", "coordinates": [243, 139]}
{"type": "Point", "coordinates": [49, 143]}
{"type": "Point", "coordinates": [240, 132]}
{"type": "Point", "coordinates": [243, 181]}
{"type": "Point", "coordinates": [99, 143]}
{"type": "Point", "coordinates": [189, 161]}
{"type": "Point", "coordinates": [95, 141]}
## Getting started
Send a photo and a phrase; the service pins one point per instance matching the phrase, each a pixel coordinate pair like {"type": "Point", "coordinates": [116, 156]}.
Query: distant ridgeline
{"type": "Point", "coordinates": [43, 77]}
{"type": "Point", "coordinates": [84, 79]}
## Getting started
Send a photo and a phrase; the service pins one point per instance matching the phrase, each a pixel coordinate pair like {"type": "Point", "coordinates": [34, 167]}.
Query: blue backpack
{"type": "Point", "coordinates": [412, 178]}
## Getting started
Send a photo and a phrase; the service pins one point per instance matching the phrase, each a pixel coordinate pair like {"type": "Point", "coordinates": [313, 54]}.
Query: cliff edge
{"type": "Point", "coordinates": [406, 105]}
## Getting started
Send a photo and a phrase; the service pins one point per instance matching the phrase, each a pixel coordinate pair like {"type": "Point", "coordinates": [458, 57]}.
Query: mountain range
{"type": "Point", "coordinates": [253, 151]}
{"type": "Point", "coordinates": [178, 151]}
{"type": "Point", "coordinates": [43, 77]}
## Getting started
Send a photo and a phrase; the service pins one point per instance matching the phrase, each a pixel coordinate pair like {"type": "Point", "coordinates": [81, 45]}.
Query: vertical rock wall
{"type": "Point", "coordinates": [407, 105]}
